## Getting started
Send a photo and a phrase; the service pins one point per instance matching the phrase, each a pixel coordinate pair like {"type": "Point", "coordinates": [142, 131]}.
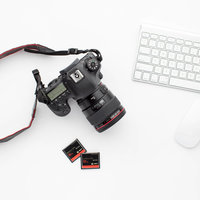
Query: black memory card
{"type": "Point", "coordinates": [90, 161]}
{"type": "Point", "coordinates": [74, 150]}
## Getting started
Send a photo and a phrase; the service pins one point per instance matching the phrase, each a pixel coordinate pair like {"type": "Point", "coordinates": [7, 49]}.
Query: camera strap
{"type": "Point", "coordinates": [40, 49]}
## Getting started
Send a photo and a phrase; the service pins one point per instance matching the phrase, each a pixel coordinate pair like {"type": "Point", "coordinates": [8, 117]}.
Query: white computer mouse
{"type": "Point", "coordinates": [188, 131]}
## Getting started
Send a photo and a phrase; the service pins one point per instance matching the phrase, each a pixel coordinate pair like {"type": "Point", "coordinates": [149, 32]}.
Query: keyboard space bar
{"type": "Point", "coordinates": [185, 84]}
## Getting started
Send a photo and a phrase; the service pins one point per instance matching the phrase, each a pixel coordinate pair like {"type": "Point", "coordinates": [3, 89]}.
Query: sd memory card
{"type": "Point", "coordinates": [74, 150]}
{"type": "Point", "coordinates": [90, 161]}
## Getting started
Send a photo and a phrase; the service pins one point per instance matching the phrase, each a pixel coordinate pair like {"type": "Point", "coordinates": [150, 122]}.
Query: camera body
{"type": "Point", "coordinates": [82, 81]}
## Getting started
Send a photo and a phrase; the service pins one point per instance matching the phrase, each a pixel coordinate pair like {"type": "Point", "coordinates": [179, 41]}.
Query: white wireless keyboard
{"type": "Point", "coordinates": [168, 58]}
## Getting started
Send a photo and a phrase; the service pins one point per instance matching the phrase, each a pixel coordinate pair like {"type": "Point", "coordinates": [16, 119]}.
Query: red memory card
{"type": "Point", "coordinates": [90, 161]}
{"type": "Point", "coordinates": [74, 150]}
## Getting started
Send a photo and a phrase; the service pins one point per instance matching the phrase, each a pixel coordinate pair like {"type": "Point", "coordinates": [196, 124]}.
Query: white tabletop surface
{"type": "Point", "coordinates": [139, 158]}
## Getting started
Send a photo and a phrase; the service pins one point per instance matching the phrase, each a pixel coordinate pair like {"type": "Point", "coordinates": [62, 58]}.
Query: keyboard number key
{"type": "Point", "coordinates": [177, 48]}
{"type": "Point", "coordinates": [185, 49]}
{"type": "Point", "coordinates": [193, 51]}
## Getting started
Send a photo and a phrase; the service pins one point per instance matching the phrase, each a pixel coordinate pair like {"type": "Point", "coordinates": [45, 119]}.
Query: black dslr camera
{"type": "Point", "coordinates": [82, 81]}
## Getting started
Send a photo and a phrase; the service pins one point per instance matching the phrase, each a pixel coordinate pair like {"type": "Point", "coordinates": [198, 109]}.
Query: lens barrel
{"type": "Point", "coordinates": [102, 109]}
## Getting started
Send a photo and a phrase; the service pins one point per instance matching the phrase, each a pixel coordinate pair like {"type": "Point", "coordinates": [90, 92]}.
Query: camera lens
{"type": "Point", "coordinates": [101, 108]}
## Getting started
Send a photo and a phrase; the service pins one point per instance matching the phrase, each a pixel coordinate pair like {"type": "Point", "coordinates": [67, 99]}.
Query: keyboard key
{"type": "Point", "coordinates": [144, 67]}
{"type": "Point", "coordinates": [160, 45]}
{"type": "Point", "coordinates": [163, 62]}
{"type": "Point", "coordinates": [191, 76]}
{"type": "Point", "coordinates": [154, 52]}
{"type": "Point", "coordinates": [179, 57]}
{"type": "Point", "coordinates": [196, 44]}
{"type": "Point", "coordinates": [189, 43]}
{"type": "Point", "coordinates": [185, 83]}
{"type": "Point", "coordinates": [179, 41]}
{"type": "Point", "coordinates": [146, 76]}
{"type": "Point", "coordinates": [172, 64]}
{"type": "Point", "coordinates": [180, 65]}
{"type": "Point", "coordinates": [171, 55]}
{"type": "Point", "coordinates": [170, 39]}
{"type": "Point", "coordinates": [188, 58]}
{"type": "Point", "coordinates": [166, 71]}
{"type": "Point", "coordinates": [154, 77]}
{"type": "Point", "coordinates": [177, 47]}
{"type": "Point", "coordinates": [152, 43]}
{"type": "Point", "coordinates": [163, 38]}
{"type": "Point", "coordinates": [144, 34]}
{"type": "Point", "coordinates": [154, 36]}
{"type": "Point", "coordinates": [144, 58]}
{"type": "Point", "coordinates": [196, 68]}
{"type": "Point", "coordinates": [144, 42]}
{"type": "Point", "coordinates": [174, 72]}
{"type": "Point", "coordinates": [182, 74]}
{"type": "Point", "coordinates": [185, 49]}
{"type": "Point", "coordinates": [169, 46]}
{"type": "Point", "coordinates": [145, 50]}
{"type": "Point", "coordinates": [196, 60]}
{"type": "Point", "coordinates": [193, 51]}
{"type": "Point", "coordinates": [164, 79]}
{"type": "Point", "coordinates": [158, 70]}
{"type": "Point", "coordinates": [138, 75]}
{"type": "Point", "coordinates": [155, 61]}
{"type": "Point", "coordinates": [188, 67]}
{"type": "Point", "coordinates": [163, 54]}
{"type": "Point", "coordinates": [198, 77]}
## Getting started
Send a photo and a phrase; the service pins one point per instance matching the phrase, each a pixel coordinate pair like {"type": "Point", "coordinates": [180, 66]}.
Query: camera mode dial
{"type": "Point", "coordinates": [92, 64]}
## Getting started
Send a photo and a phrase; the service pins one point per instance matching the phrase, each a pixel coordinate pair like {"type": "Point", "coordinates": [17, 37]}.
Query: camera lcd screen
{"type": "Point", "coordinates": [57, 91]}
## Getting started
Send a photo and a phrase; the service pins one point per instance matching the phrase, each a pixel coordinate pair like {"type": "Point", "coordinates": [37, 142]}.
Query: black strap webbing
{"type": "Point", "coordinates": [40, 49]}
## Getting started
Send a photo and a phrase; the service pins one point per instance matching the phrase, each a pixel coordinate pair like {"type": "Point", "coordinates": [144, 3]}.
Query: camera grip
{"type": "Point", "coordinates": [60, 108]}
